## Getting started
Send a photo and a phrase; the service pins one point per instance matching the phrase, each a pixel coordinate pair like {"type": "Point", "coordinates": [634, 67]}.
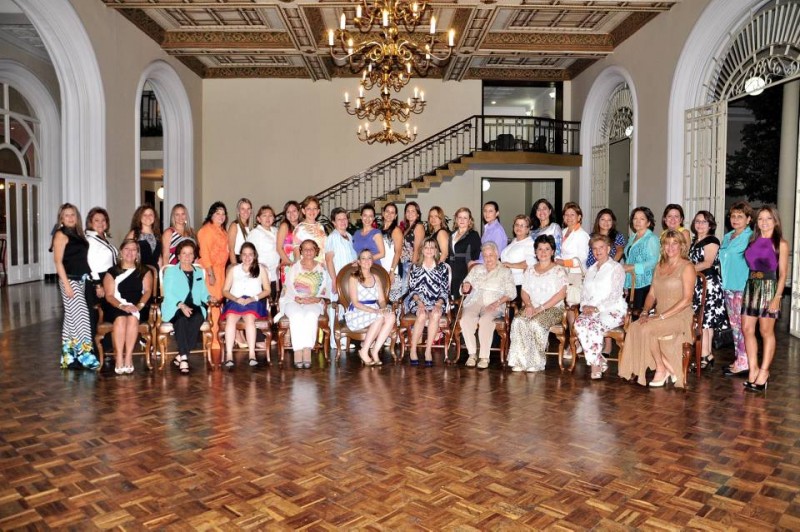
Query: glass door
{"type": "Point", "coordinates": [19, 208]}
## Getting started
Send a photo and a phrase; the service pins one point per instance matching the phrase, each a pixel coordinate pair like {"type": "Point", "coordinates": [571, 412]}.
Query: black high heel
{"type": "Point", "coordinates": [753, 387]}
{"type": "Point", "coordinates": [706, 362]}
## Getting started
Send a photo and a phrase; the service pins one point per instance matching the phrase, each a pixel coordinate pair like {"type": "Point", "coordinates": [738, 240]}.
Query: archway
{"type": "Point", "coordinates": [178, 130]}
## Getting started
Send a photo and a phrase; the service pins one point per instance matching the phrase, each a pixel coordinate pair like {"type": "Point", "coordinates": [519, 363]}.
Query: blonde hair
{"type": "Point", "coordinates": [471, 219]}
{"type": "Point", "coordinates": [672, 234]}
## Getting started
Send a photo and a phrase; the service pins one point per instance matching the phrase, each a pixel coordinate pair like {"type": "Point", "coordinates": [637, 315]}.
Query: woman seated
{"type": "Point", "coordinates": [544, 287]}
{"type": "Point", "coordinates": [428, 290]}
{"type": "Point", "coordinates": [368, 309]}
{"type": "Point", "coordinates": [246, 289]}
{"type": "Point", "coordinates": [185, 299]}
{"type": "Point", "coordinates": [487, 287]}
{"type": "Point", "coordinates": [657, 341]}
{"type": "Point", "coordinates": [307, 286]}
{"type": "Point", "coordinates": [603, 304]}
{"type": "Point", "coordinates": [127, 287]}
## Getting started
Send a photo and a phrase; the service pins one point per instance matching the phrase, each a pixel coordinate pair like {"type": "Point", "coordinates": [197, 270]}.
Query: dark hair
{"type": "Point", "coordinates": [549, 206]}
{"type": "Point", "coordinates": [183, 243]}
{"type": "Point", "coordinates": [255, 271]}
{"type": "Point", "coordinates": [336, 212]}
{"type": "Point", "coordinates": [368, 207]}
{"type": "Point", "coordinates": [261, 211]}
{"type": "Point", "coordinates": [743, 207]}
{"type": "Point", "coordinates": [313, 243]}
{"type": "Point", "coordinates": [545, 239]}
{"type": "Point", "coordinates": [211, 210]}
{"type": "Point", "coordinates": [671, 207]}
{"type": "Point", "coordinates": [495, 205]}
{"type": "Point", "coordinates": [357, 273]}
{"type": "Point", "coordinates": [777, 233]}
{"type": "Point", "coordinates": [290, 203]}
{"type": "Point", "coordinates": [712, 222]}
{"type": "Point", "coordinates": [647, 214]}
{"type": "Point", "coordinates": [136, 221]}
{"type": "Point", "coordinates": [99, 210]}
{"type": "Point", "coordinates": [573, 206]}
{"type": "Point", "coordinates": [388, 231]}
{"type": "Point", "coordinates": [612, 233]}
{"type": "Point", "coordinates": [408, 228]}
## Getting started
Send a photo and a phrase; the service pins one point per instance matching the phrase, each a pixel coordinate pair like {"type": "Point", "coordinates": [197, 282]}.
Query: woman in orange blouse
{"type": "Point", "coordinates": [213, 241]}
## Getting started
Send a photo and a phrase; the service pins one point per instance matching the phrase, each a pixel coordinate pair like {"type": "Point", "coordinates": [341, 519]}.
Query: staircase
{"type": "Point", "coordinates": [479, 139]}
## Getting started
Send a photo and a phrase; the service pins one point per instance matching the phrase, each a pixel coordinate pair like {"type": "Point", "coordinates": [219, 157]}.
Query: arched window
{"type": "Point", "coordinates": [18, 134]}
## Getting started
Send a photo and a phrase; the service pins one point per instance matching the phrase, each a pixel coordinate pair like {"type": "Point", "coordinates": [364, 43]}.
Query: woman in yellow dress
{"type": "Point", "coordinates": [214, 252]}
{"type": "Point", "coordinates": [656, 341]}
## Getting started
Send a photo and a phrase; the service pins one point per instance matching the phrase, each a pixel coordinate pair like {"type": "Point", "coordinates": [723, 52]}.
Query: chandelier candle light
{"type": "Point", "coordinates": [386, 59]}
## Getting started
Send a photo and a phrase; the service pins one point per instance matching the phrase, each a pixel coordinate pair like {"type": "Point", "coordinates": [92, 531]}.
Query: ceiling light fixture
{"type": "Point", "coordinates": [755, 85]}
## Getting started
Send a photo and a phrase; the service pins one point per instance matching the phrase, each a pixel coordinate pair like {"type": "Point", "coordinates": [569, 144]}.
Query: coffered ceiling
{"type": "Point", "coordinates": [541, 40]}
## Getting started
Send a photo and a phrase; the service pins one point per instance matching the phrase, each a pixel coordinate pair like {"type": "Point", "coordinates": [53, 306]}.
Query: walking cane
{"type": "Point", "coordinates": [455, 328]}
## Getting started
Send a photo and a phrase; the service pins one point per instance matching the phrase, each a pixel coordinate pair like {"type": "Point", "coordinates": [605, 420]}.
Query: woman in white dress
{"type": "Point", "coordinates": [603, 304]}
{"type": "Point", "coordinates": [264, 237]}
{"type": "Point", "coordinates": [519, 255]}
{"type": "Point", "coordinates": [543, 289]}
{"type": "Point", "coordinates": [574, 252]}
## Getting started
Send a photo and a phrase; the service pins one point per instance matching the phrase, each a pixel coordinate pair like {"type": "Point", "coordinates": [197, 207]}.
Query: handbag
{"type": "Point", "coordinates": [575, 286]}
{"type": "Point", "coordinates": [722, 338]}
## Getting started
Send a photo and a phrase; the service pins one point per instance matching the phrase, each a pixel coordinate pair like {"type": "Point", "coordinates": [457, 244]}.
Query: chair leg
{"type": "Point", "coordinates": [98, 340]}
{"type": "Point", "coordinates": [281, 349]}
{"type": "Point", "coordinates": [162, 345]}
{"type": "Point", "coordinates": [698, 355]}
{"type": "Point", "coordinates": [326, 345]}
{"type": "Point", "coordinates": [207, 344]}
{"type": "Point", "coordinates": [148, 346]}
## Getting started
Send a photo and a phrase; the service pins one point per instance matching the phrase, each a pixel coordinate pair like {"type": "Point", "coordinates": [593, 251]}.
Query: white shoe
{"type": "Point", "coordinates": [517, 369]}
{"type": "Point", "coordinates": [531, 370]}
{"type": "Point", "coordinates": [472, 361]}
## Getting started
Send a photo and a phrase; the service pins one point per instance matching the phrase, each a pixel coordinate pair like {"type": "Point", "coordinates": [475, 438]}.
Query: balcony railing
{"type": "Point", "coordinates": [151, 116]}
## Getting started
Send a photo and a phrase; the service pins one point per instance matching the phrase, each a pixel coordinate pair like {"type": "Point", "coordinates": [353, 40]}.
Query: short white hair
{"type": "Point", "coordinates": [492, 246]}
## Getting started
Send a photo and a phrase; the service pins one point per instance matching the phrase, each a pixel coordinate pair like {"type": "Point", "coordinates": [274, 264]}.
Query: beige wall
{"type": "Point", "coordinates": [275, 140]}
{"type": "Point", "coordinates": [123, 52]}
{"type": "Point", "coordinates": [650, 57]}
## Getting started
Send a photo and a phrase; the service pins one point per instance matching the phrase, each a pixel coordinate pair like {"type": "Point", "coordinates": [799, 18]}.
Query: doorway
{"type": "Point", "coordinates": [517, 196]}
{"type": "Point", "coordinates": [619, 180]}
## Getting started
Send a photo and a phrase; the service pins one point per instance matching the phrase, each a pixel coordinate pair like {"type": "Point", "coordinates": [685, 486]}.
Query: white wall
{"type": "Point", "coordinates": [652, 71]}
{"type": "Point", "coordinates": [272, 140]}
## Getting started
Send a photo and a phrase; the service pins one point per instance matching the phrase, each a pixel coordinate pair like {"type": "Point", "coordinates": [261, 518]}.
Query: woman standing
{"type": "Point", "coordinates": [392, 244]}
{"type": "Point", "coordinates": [413, 235]}
{"type": "Point", "coordinates": [520, 254]}
{"type": "Point", "coordinates": [310, 228]}
{"type": "Point", "coordinates": [246, 289]}
{"type": "Point", "coordinates": [214, 254]}
{"type": "Point", "coordinates": [128, 287]}
{"type": "Point", "coordinates": [339, 250]}
{"type": "Point", "coordinates": [102, 257]}
{"type": "Point", "coordinates": [239, 229]}
{"type": "Point", "coordinates": [657, 341]}
{"type": "Point", "coordinates": [185, 300]}
{"type": "Point", "coordinates": [543, 222]}
{"type": "Point", "coordinates": [286, 242]}
{"type": "Point", "coordinates": [307, 285]}
{"type": "Point", "coordinates": [487, 289]}
{"type": "Point", "coordinates": [178, 231]}
{"type": "Point", "coordinates": [672, 220]}
{"type": "Point", "coordinates": [438, 231]}
{"type": "Point", "coordinates": [428, 293]}
{"type": "Point", "coordinates": [606, 224]}
{"type": "Point", "coordinates": [368, 309]}
{"type": "Point", "coordinates": [265, 238]}
{"type": "Point", "coordinates": [574, 250]}
{"type": "Point", "coordinates": [465, 247]}
{"type": "Point", "coordinates": [369, 237]}
{"type": "Point", "coordinates": [641, 254]}
{"type": "Point", "coordinates": [70, 252]}
{"type": "Point", "coordinates": [146, 230]}
{"type": "Point", "coordinates": [544, 288]}
{"type": "Point", "coordinates": [493, 230]}
{"type": "Point", "coordinates": [603, 305]}
{"type": "Point", "coordinates": [768, 258]}
{"type": "Point", "coordinates": [734, 276]}
{"type": "Point", "coordinates": [703, 255]}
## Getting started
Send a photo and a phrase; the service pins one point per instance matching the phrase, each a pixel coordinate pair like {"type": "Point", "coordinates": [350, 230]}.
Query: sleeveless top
{"type": "Point", "coordinates": [362, 242]}
{"type": "Point", "coordinates": [76, 253]}
{"type": "Point", "coordinates": [102, 255]}
{"type": "Point", "coordinates": [241, 237]}
{"type": "Point", "coordinates": [174, 240]}
{"type": "Point", "coordinates": [243, 284]}
{"type": "Point", "coordinates": [149, 249]}
{"type": "Point", "coordinates": [761, 256]}
{"type": "Point", "coordinates": [388, 250]}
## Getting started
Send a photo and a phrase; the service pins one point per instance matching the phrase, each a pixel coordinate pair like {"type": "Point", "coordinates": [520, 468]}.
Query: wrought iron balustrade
{"type": "Point", "coordinates": [150, 125]}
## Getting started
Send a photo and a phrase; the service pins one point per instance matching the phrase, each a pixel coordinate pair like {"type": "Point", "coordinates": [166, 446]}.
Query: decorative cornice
{"type": "Point", "coordinates": [275, 40]}
{"type": "Point", "coordinates": [149, 26]}
{"type": "Point", "coordinates": [630, 25]}
{"type": "Point", "coordinates": [553, 42]}
{"type": "Point", "coordinates": [528, 74]}
{"type": "Point", "coordinates": [256, 72]}
{"type": "Point", "coordinates": [314, 17]}
{"type": "Point", "coordinates": [194, 64]}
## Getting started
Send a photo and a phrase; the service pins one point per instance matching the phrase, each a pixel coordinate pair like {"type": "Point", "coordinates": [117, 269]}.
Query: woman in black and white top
{"type": "Point", "coordinates": [102, 257]}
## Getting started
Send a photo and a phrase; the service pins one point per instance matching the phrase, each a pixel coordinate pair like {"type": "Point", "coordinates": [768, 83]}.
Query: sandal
{"type": "Point", "coordinates": [184, 366]}
{"type": "Point", "coordinates": [707, 361]}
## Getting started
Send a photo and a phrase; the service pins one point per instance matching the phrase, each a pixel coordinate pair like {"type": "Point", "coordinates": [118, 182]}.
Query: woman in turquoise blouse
{"type": "Point", "coordinates": [641, 254]}
{"type": "Point", "coordinates": [734, 276]}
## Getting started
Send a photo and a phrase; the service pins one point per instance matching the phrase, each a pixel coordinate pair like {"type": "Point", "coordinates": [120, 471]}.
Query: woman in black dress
{"type": "Point", "coordinates": [704, 255]}
{"type": "Point", "coordinates": [146, 232]}
{"type": "Point", "coordinates": [128, 287]}
{"type": "Point", "coordinates": [465, 247]}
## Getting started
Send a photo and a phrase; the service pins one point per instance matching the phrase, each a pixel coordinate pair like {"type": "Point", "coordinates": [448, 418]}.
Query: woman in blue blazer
{"type": "Point", "coordinates": [641, 254]}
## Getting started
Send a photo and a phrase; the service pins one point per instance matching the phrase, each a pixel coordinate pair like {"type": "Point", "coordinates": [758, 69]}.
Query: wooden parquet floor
{"type": "Point", "coordinates": [392, 448]}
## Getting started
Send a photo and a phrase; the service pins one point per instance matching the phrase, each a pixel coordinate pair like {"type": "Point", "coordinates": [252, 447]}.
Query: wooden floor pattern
{"type": "Point", "coordinates": [392, 448]}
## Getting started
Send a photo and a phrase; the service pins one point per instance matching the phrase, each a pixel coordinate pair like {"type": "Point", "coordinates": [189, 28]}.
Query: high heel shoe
{"type": "Point", "coordinates": [753, 387]}
{"type": "Point", "coordinates": [707, 362]}
{"type": "Point", "coordinates": [364, 358]}
{"type": "Point", "coordinates": [415, 362]}
{"type": "Point", "coordinates": [663, 382]}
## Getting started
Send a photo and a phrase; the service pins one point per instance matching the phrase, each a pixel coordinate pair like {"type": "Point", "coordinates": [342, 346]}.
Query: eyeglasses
{"type": "Point", "coordinates": [701, 221]}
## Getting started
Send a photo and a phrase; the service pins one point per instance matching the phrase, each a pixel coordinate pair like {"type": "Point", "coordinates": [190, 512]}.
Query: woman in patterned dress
{"type": "Point", "coordinates": [179, 230]}
{"type": "Point", "coordinates": [128, 287]}
{"type": "Point", "coordinates": [413, 235]}
{"type": "Point", "coordinates": [392, 245]}
{"type": "Point", "coordinates": [146, 230]}
{"type": "Point", "coordinates": [428, 292]}
{"type": "Point", "coordinates": [605, 223]}
{"type": "Point", "coordinates": [307, 285]}
{"type": "Point", "coordinates": [704, 256]}
{"type": "Point", "coordinates": [286, 242]}
{"type": "Point", "coordinates": [310, 228]}
{"type": "Point", "coordinates": [544, 288]}
{"type": "Point", "coordinates": [368, 309]}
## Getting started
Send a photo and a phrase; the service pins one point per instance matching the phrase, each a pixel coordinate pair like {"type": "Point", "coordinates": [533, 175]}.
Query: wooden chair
{"type": "Point", "coordinates": [696, 333]}
{"type": "Point", "coordinates": [263, 325]}
{"type": "Point", "coordinates": [617, 334]}
{"type": "Point", "coordinates": [340, 328]}
{"type": "Point", "coordinates": [560, 331]}
{"type": "Point", "coordinates": [445, 327]}
{"type": "Point", "coordinates": [502, 326]}
{"type": "Point", "coordinates": [323, 329]}
{"type": "Point", "coordinates": [164, 329]}
{"type": "Point", "coordinates": [3, 247]}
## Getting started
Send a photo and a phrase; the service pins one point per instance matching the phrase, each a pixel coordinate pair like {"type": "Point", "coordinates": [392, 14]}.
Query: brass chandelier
{"type": "Point", "coordinates": [387, 57]}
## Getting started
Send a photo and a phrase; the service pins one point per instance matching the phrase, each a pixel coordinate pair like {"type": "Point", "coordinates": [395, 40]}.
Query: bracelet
{"type": "Point", "coordinates": [661, 316]}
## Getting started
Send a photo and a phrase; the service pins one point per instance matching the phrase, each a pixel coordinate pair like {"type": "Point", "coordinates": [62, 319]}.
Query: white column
{"type": "Point", "coordinates": [787, 169]}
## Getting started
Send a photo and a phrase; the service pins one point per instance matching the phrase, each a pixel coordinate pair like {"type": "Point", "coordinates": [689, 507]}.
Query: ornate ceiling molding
{"type": "Point", "coordinates": [258, 40]}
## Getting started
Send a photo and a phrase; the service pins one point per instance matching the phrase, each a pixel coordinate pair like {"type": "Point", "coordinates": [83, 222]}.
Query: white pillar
{"type": "Point", "coordinates": [787, 169]}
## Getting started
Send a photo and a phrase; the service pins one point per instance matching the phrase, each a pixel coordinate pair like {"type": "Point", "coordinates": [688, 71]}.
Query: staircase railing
{"type": "Point", "coordinates": [476, 133]}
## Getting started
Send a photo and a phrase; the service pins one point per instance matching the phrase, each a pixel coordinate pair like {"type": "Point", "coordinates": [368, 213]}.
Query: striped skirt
{"type": "Point", "coordinates": [758, 293]}
{"type": "Point", "coordinates": [76, 332]}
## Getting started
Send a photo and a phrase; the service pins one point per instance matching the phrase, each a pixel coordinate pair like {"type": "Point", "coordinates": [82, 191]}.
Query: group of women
{"type": "Point", "coordinates": [546, 268]}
